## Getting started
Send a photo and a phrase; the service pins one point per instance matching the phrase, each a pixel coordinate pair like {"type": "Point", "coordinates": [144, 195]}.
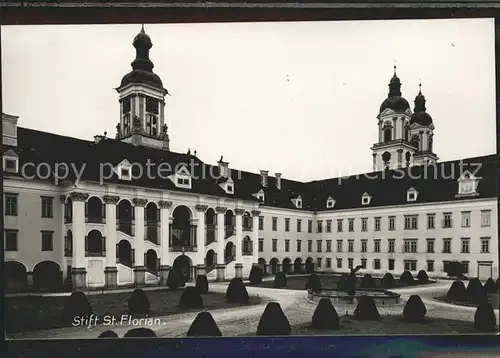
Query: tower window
{"type": "Point", "coordinates": [151, 124]}
{"type": "Point", "coordinates": [407, 134]}
{"type": "Point", "coordinates": [387, 135]}
{"type": "Point", "coordinates": [126, 105]}
{"type": "Point", "coordinates": [126, 124]}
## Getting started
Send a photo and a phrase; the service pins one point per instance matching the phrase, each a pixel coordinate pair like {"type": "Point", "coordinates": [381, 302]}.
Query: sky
{"type": "Point", "coordinates": [297, 98]}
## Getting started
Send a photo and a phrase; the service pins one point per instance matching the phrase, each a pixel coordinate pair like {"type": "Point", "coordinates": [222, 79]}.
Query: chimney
{"type": "Point", "coordinates": [278, 180]}
{"type": "Point", "coordinates": [9, 130]}
{"type": "Point", "coordinates": [223, 168]}
{"type": "Point", "coordinates": [263, 177]}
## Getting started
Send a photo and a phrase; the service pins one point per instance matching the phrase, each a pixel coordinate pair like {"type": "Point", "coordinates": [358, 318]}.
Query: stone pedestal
{"type": "Point", "coordinates": [221, 272]}
{"type": "Point", "coordinates": [79, 277]}
{"type": "Point", "coordinates": [140, 275]}
{"type": "Point", "coordinates": [111, 276]}
{"type": "Point", "coordinates": [200, 270]}
{"type": "Point", "coordinates": [238, 270]}
{"type": "Point", "coordinates": [29, 279]}
{"type": "Point", "coordinates": [164, 272]}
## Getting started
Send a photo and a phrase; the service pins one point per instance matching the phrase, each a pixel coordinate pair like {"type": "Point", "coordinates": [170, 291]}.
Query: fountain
{"type": "Point", "coordinates": [348, 294]}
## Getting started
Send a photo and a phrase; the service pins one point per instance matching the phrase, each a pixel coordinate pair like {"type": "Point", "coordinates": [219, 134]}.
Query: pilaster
{"type": "Point", "coordinates": [255, 236]}
{"type": "Point", "coordinates": [78, 260]}
{"type": "Point", "coordinates": [201, 234]}
{"type": "Point", "coordinates": [165, 233]}
{"type": "Point", "coordinates": [139, 268]}
{"type": "Point", "coordinates": [239, 235]}
{"type": "Point", "coordinates": [220, 210]}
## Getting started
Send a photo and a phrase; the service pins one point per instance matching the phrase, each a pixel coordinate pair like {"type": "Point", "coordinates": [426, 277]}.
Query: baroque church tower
{"type": "Point", "coordinates": [142, 101]}
{"type": "Point", "coordinates": [405, 138]}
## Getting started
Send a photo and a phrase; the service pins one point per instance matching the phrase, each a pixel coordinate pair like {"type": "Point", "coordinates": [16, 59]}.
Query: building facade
{"type": "Point", "coordinates": [125, 210]}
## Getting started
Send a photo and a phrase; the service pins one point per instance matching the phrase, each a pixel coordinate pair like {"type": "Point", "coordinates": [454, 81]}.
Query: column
{"type": "Point", "coordinates": [221, 264]}
{"type": "Point", "coordinates": [164, 240]}
{"type": "Point", "coordinates": [400, 158]}
{"type": "Point", "coordinates": [139, 267]}
{"type": "Point", "coordinates": [239, 243]}
{"type": "Point", "coordinates": [79, 264]}
{"type": "Point", "coordinates": [110, 271]}
{"type": "Point", "coordinates": [255, 237]}
{"type": "Point", "coordinates": [200, 240]}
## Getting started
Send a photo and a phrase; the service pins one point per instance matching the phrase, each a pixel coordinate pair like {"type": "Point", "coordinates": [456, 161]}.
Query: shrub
{"type": "Point", "coordinates": [422, 276]}
{"type": "Point", "coordinates": [202, 284]}
{"type": "Point", "coordinates": [490, 286]}
{"type": "Point", "coordinates": [256, 275]}
{"type": "Point", "coordinates": [280, 280]}
{"type": "Point", "coordinates": [366, 309]}
{"type": "Point", "coordinates": [176, 278]}
{"type": "Point", "coordinates": [139, 333]}
{"type": "Point", "coordinates": [76, 305]}
{"type": "Point", "coordinates": [313, 282]}
{"type": "Point", "coordinates": [191, 298]}
{"type": "Point", "coordinates": [325, 316]}
{"type": "Point", "coordinates": [457, 292]}
{"type": "Point", "coordinates": [475, 291]}
{"type": "Point", "coordinates": [273, 321]}
{"type": "Point", "coordinates": [138, 303]}
{"type": "Point", "coordinates": [204, 326]}
{"type": "Point", "coordinates": [237, 292]}
{"type": "Point", "coordinates": [108, 334]}
{"type": "Point", "coordinates": [414, 310]}
{"type": "Point", "coordinates": [485, 319]}
{"type": "Point", "coordinates": [388, 281]}
{"type": "Point", "coordinates": [367, 281]}
{"type": "Point", "coordinates": [406, 278]}
{"type": "Point", "coordinates": [454, 269]}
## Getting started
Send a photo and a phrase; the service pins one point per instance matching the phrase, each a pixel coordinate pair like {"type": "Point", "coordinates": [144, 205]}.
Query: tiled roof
{"type": "Point", "coordinates": [385, 188]}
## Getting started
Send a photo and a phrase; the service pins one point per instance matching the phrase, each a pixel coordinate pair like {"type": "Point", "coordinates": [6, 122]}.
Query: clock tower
{"type": "Point", "coordinates": [142, 101]}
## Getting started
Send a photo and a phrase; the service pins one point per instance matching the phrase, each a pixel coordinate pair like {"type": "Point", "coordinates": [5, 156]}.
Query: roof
{"type": "Point", "coordinates": [433, 183]}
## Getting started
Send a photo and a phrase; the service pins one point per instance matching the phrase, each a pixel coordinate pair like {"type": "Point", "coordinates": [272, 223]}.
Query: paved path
{"type": "Point", "coordinates": [244, 320]}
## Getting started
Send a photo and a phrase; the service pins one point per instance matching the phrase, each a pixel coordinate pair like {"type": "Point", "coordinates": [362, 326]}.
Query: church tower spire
{"type": "Point", "coordinates": [142, 100]}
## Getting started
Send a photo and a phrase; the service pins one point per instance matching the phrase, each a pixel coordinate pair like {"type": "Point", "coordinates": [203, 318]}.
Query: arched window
{"type": "Point", "coordinates": [387, 135]}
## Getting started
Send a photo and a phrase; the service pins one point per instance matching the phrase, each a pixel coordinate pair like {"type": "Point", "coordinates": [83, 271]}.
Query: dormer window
{"type": "Point", "coordinates": [182, 181]}
{"type": "Point", "coordinates": [124, 170]}
{"type": "Point", "coordinates": [467, 184]}
{"type": "Point", "coordinates": [261, 197]}
{"type": "Point", "coordinates": [182, 178]}
{"type": "Point", "coordinates": [297, 202]}
{"type": "Point", "coordinates": [228, 186]}
{"type": "Point", "coordinates": [365, 199]}
{"type": "Point", "coordinates": [330, 203]}
{"type": "Point", "coordinates": [10, 162]}
{"type": "Point", "coordinates": [411, 195]}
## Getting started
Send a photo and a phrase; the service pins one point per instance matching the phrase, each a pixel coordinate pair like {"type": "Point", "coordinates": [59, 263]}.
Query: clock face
{"type": "Point", "coordinates": [151, 105]}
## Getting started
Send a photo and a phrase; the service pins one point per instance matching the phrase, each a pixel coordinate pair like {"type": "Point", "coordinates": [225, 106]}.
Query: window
{"type": "Point", "coordinates": [391, 265]}
{"type": "Point", "coordinates": [10, 204]}
{"type": "Point", "coordinates": [47, 241]}
{"type": "Point", "coordinates": [275, 245]}
{"type": "Point", "coordinates": [447, 220]}
{"type": "Point", "coordinates": [151, 125]}
{"type": "Point", "coordinates": [261, 223]}
{"type": "Point", "coordinates": [328, 262]}
{"type": "Point", "coordinates": [309, 245]}
{"type": "Point", "coordinates": [411, 195]}
{"type": "Point", "coordinates": [180, 181]}
{"type": "Point", "coordinates": [299, 246]}
{"type": "Point", "coordinates": [330, 203]}
{"type": "Point", "coordinates": [410, 265]}
{"type": "Point", "coordinates": [376, 264]}
{"type": "Point", "coordinates": [465, 247]}
{"type": "Point", "coordinates": [339, 245]}
{"type": "Point", "coordinates": [364, 244]}
{"type": "Point", "coordinates": [318, 260]}
{"type": "Point", "coordinates": [465, 218]}
{"type": "Point", "coordinates": [298, 203]}
{"type": "Point", "coordinates": [126, 173]}
{"type": "Point", "coordinates": [351, 225]}
{"type": "Point", "coordinates": [376, 247]}
{"type": "Point", "coordinates": [430, 266]}
{"type": "Point", "coordinates": [446, 246]}
{"type": "Point", "coordinates": [260, 197]}
{"type": "Point", "coordinates": [364, 224]}
{"type": "Point", "coordinates": [410, 245]}
{"type": "Point", "coordinates": [350, 263]}
{"type": "Point", "coordinates": [350, 245]}
{"type": "Point", "coordinates": [339, 263]}
{"type": "Point", "coordinates": [363, 263]}
{"type": "Point", "coordinates": [261, 245]}
{"type": "Point", "coordinates": [392, 245]}
{"type": "Point", "coordinates": [287, 224]}
{"type": "Point", "coordinates": [485, 245]}
{"type": "Point", "coordinates": [339, 225]}
{"type": "Point", "coordinates": [319, 245]}
{"type": "Point", "coordinates": [229, 188]}
{"type": "Point", "coordinates": [431, 218]}
{"type": "Point", "coordinates": [328, 226]}
{"type": "Point", "coordinates": [465, 265]}
{"type": "Point", "coordinates": [309, 226]}
{"type": "Point", "coordinates": [68, 245]}
{"type": "Point", "coordinates": [365, 199]}
{"type": "Point", "coordinates": [392, 223]}
{"type": "Point", "coordinates": [320, 226]}
{"type": "Point", "coordinates": [47, 207]}
{"type": "Point", "coordinates": [377, 223]}
{"type": "Point", "coordinates": [328, 245]}
{"type": "Point", "coordinates": [275, 224]}
{"type": "Point", "coordinates": [430, 246]}
{"type": "Point", "coordinates": [411, 222]}
{"type": "Point", "coordinates": [10, 240]}
{"type": "Point", "coordinates": [287, 245]}
{"type": "Point", "coordinates": [485, 218]}
{"type": "Point", "coordinates": [10, 165]}
{"type": "Point", "coordinates": [299, 225]}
